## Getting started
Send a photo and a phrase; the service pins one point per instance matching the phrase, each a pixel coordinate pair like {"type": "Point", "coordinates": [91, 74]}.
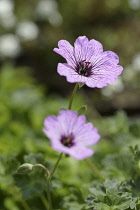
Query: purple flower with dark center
{"type": "Point", "coordinates": [71, 134]}
{"type": "Point", "coordinates": [87, 63]}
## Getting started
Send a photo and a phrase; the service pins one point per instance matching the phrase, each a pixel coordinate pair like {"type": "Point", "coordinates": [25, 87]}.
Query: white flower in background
{"type": "Point", "coordinates": [55, 19]}
{"type": "Point", "coordinates": [8, 21]}
{"type": "Point", "coordinates": [128, 73]}
{"type": "Point", "coordinates": [134, 4]}
{"type": "Point", "coordinates": [117, 87]}
{"type": "Point", "coordinates": [136, 62]}
{"type": "Point", "coordinates": [47, 9]}
{"type": "Point", "coordinates": [7, 17]}
{"type": "Point", "coordinates": [131, 71]}
{"type": "Point", "coordinates": [6, 6]}
{"type": "Point", "coordinates": [9, 46]}
{"type": "Point", "coordinates": [27, 30]}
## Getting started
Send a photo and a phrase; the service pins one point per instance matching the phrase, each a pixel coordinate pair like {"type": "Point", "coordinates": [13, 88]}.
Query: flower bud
{"type": "Point", "coordinates": [25, 168]}
{"type": "Point", "coordinates": [82, 110]}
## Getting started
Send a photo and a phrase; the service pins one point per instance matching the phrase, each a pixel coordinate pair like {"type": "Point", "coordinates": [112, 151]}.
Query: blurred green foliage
{"type": "Point", "coordinates": [111, 195]}
{"type": "Point", "coordinates": [23, 106]}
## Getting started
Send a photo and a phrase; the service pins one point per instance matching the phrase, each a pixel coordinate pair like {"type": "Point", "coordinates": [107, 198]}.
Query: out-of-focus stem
{"type": "Point", "coordinates": [49, 194]}
{"type": "Point", "coordinates": [25, 205]}
{"type": "Point", "coordinates": [42, 166]}
{"type": "Point", "coordinates": [44, 201]}
{"type": "Point", "coordinates": [94, 168]}
{"type": "Point", "coordinates": [60, 156]}
{"type": "Point", "coordinates": [48, 186]}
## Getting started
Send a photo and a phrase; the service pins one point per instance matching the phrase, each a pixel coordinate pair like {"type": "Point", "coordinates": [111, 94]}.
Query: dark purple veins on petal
{"type": "Point", "coordinates": [67, 141]}
{"type": "Point", "coordinates": [84, 68]}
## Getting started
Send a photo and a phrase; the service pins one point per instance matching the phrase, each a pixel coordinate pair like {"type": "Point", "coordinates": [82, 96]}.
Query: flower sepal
{"type": "Point", "coordinates": [81, 84]}
{"type": "Point", "coordinates": [82, 110]}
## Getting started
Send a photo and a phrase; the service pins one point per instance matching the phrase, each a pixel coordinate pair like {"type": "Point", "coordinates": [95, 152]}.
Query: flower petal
{"type": "Point", "coordinates": [85, 49]}
{"type": "Point", "coordinates": [72, 76]}
{"type": "Point", "coordinates": [87, 131]}
{"type": "Point", "coordinates": [80, 48]}
{"type": "Point", "coordinates": [67, 120]}
{"type": "Point", "coordinates": [104, 75]}
{"type": "Point", "coordinates": [80, 153]}
{"type": "Point", "coordinates": [94, 48]}
{"type": "Point", "coordinates": [51, 123]}
{"type": "Point", "coordinates": [66, 50]}
{"type": "Point", "coordinates": [106, 58]}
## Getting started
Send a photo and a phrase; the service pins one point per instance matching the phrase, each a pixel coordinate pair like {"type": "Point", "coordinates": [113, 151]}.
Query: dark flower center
{"type": "Point", "coordinates": [84, 68]}
{"type": "Point", "coordinates": [67, 141]}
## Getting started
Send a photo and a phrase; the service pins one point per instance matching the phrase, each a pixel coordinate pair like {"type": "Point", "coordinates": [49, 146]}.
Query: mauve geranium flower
{"type": "Point", "coordinates": [71, 134]}
{"type": "Point", "coordinates": [87, 63]}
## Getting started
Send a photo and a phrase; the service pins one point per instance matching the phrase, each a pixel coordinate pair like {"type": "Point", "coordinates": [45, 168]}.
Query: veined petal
{"type": "Point", "coordinates": [104, 75]}
{"type": "Point", "coordinates": [94, 48]}
{"type": "Point", "coordinates": [105, 58]}
{"type": "Point", "coordinates": [66, 50]}
{"type": "Point", "coordinates": [72, 76]}
{"type": "Point", "coordinates": [64, 69]}
{"type": "Point", "coordinates": [80, 48]}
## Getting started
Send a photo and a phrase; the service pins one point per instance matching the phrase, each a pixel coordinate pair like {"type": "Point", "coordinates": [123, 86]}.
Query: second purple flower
{"type": "Point", "coordinates": [71, 134]}
{"type": "Point", "coordinates": [87, 63]}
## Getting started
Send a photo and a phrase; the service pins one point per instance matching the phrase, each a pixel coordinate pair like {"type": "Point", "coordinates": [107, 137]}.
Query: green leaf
{"type": "Point", "coordinates": [111, 195]}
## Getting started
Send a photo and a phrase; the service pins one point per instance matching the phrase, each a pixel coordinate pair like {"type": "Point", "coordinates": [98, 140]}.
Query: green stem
{"type": "Point", "coordinates": [44, 201]}
{"type": "Point", "coordinates": [42, 166]}
{"type": "Point", "coordinates": [49, 194]}
{"type": "Point", "coordinates": [25, 205]}
{"type": "Point", "coordinates": [94, 168]}
{"type": "Point", "coordinates": [72, 95]}
{"type": "Point", "coordinates": [56, 165]}
{"type": "Point", "coordinates": [48, 186]}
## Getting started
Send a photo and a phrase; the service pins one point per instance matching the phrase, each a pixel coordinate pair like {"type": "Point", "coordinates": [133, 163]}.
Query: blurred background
{"type": "Point", "coordinates": [31, 89]}
{"type": "Point", "coordinates": [29, 30]}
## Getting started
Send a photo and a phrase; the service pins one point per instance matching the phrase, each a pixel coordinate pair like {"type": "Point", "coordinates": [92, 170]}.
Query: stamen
{"type": "Point", "coordinates": [84, 68]}
{"type": "Point", "coordinates": [67, 141]}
